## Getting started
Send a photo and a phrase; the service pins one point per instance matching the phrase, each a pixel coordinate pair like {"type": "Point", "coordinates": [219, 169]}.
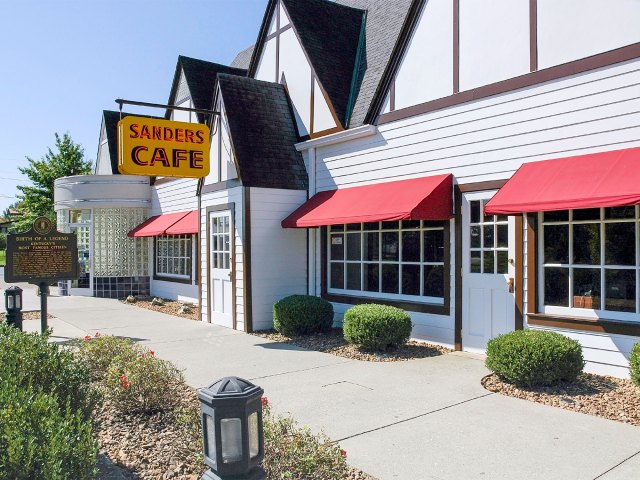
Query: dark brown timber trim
{"type": "Point", "coordinates": [409, 306]}
{"type": "Point", "coordinates": [533, 35]}
{"type": "Point", "coordinates": [519, 267]}
{"type": "Point", "coordinates": [215, 187]}
{"type": "Point", "coordinates": [532, 259]}
{"type": "Point", "coordinates": [246, 259]}
{"type": "Point", "coordinates": [585, 324]}
{"type": "Point", "coordinates": [457, 271]}
{"type": "Point", "coordinates": [479, 186]}
{"type": "Point", "coordinates": [325, 132]}
{"type": "Point", "coordinates": [539, 76]}
{"type": "Point", "coordinates": [456, 46]}
{"type": "Point", "coordinates": [277, 33]}
{"type": "Point", "coordinates": [220, 208]}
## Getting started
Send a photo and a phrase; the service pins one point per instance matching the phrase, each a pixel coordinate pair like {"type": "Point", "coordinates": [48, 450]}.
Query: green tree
{"type": "Point", "coordinates": [36, 200]}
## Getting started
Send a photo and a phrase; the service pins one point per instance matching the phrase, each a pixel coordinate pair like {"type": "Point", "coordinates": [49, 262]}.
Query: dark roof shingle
{"type": "Point", "coordinates": [263, 133]}
{"type": "Point", "coordinates": [201, 79]}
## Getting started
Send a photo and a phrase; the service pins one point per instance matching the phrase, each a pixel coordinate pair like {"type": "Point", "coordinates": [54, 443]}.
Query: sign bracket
{"type": "Point", "coordinates": [122, 102]}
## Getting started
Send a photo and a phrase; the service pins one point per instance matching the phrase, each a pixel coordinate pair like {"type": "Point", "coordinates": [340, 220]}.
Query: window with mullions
{"type": "Point", "coordinates": [488, 240]}
{"type": "Point", "coordinates": [590, 262]}
{"type": "Point", "coordinates": [395, 260]}
{"type": "Point", "coordinates": [173, 256]}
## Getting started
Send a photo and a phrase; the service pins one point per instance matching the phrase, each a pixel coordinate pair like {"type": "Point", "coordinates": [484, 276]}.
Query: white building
{"type": "Point", "coordinates": [409, 116]}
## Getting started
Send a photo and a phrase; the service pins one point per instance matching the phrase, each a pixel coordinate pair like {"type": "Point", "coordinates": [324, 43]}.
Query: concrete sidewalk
{"type": "Point", "coordinates": [422, 419]}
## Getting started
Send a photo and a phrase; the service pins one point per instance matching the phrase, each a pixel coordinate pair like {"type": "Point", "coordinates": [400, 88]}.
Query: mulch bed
{"type": "Point", "coordinates": [170, 307]}
{"type": "Point", "coordinates": [32, 315]}
{"type": "Point", "coordinates": [333, 342]}
{"type": "Point", "coordinates": [157, 447]}
{"type": "Point", "coordinates": [608, 397]}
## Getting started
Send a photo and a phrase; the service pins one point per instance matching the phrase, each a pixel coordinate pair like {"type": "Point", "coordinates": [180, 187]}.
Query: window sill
{"type": "Point", "coordinates": [162, 278]}
{"type": "Point", "coordinates": [409, 306]}
{"type": "Point", "coordinates": [585, 324]}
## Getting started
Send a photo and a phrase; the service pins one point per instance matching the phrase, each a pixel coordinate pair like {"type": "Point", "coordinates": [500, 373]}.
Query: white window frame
{"type": "Point", "coordinates": [571, 311]}
{"type": "Point", "coordinates": [384, 295]}
{"type": "Point", "coordinates": [187, 238]}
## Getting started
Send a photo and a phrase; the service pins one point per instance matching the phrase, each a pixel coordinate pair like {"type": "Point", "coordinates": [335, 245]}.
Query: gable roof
{"type": "Point", "coordinates": [385, 24]}
{"type": "Point", "coordinates": [110, 120]}
{"type": "Point", "coordinates": [331, 36]}
{"type": "Point", "coordinates": [263, 133]}
{"type": "Point", "coordinates": [201, 79]}
{"type": "Point", "coordinates": [243, 58]}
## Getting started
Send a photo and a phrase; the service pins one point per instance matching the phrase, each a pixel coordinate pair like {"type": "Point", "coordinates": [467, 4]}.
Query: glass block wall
{"type": "Point", "coordinates": [115, 254]}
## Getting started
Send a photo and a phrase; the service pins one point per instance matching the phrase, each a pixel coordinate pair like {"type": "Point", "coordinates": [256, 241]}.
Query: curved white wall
{"type": "Point", "coordinates": [101, 191]}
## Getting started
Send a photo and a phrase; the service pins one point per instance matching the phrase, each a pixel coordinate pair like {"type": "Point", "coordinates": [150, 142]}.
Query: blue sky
{"type": "Point", "coordinates": [64, 61]}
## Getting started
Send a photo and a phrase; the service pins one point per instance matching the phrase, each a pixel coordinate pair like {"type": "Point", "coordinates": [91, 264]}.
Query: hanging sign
{"type": "Point", "coordinates": [41, 255]}
{"type": "Point", "coordinates": [163, 148]}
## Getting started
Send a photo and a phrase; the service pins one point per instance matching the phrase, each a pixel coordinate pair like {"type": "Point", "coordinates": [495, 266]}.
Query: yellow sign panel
{"type": "Point", "coordinates": [163, 148]}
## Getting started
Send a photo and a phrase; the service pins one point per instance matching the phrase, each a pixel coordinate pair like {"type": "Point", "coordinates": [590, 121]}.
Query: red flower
{"type": "Point", "coordinates": [343, 453]}
{"type": "Point", "coordinates": [142, 355]}
{"type": "Point", "coordinates": [87, 337]}
{"type": "Point", "coordinates": [265, 401]}
{"type": "Point", "coordinates": [152, 353]}
{"type": "Point", "coordinates": [97, 334]}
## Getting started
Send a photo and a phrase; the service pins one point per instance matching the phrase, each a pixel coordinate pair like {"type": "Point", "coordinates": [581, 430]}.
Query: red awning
{"type": "Point", "coordinates": [186, 225]}
{"type": "Point", "coordinates": [158, 225]}
{"type": "Point", "coordinates": [608, 179]}
{"type": "Point", "coordinates": [427, 198]}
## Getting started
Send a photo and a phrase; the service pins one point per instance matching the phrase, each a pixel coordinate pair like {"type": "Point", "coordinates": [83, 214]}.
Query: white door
{"type": "Point", "coordinates": [220, 282]}
{"type": "Point", "coordinates": [83, 286]}
{"type": "Point", "coordinates": [488, 272]}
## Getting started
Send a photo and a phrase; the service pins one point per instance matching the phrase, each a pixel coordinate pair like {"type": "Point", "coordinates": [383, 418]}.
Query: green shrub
{"type": "Point", "coordinates": [634, 364]}
{"type": "Point", "coordinates": [292, 452]}
{"type": "Point", "coordinates": [376, 327]}
{"type": "Point", "coordinates": [98, 352]}
{"type": "Point", "coordinates": [528, 358]}
{"type": "Point", "coordinates": [34, 363]}
{"type": "Point", "coordinates": [45, 408]}
{"type": "Point", "coordinates": [142, 384]}
{"type": "Point", "coordinates": [302, 315]}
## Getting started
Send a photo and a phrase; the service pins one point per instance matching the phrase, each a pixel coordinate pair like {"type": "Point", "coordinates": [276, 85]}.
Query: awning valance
{"type": "Point", "coordinates": [167, 224]}
{"type": "Point", "coordinates": [608, 179]}
{"type": "Point", "coordinates": [426, 198]}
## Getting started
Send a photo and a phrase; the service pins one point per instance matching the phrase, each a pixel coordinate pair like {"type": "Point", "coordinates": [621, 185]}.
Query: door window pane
{"type": "Point", "coordinates": [476, 262]}
{"type": "Point", "coordinates": [502, 265]}
{"type": "Point", "coordinates": [503, 236]}
{"type": "Point", "coordinates": [556, 286]}
{"type": "Point", "coordinates": [488, 236]}
{"type": "Point", "coordinates": [476, 239]}
{"type": "Point", "coordinates": [487, 262]}
{"type": "Point", "coordinates": [475, 211]}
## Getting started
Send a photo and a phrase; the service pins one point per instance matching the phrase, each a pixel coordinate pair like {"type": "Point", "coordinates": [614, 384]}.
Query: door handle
{"type": "Point", "coordinates": [511, 285]}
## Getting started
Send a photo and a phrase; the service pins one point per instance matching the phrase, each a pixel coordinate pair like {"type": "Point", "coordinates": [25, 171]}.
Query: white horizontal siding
{"type": "Point", "coordinates": [223, 197]}
{"type": "Point", "coordinates": [492, 137]}
{"type": "Point", "coordinates": [278, 255]}
{"type": "Point", "coordinates": [177, 195]}
{"type": "Point", "coordinates": [174, 291]}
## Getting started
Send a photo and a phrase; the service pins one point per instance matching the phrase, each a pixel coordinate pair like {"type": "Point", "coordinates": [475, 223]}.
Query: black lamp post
{"type": "Point", "coordinates": [232, 434]}
{"type": "Point", "coordinates": [13, 305]}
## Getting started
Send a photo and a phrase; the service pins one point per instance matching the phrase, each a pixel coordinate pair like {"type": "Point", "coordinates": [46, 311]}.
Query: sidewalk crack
{"type": "Point", "coordinates": [414, 417]}
{"type": "Point", "coordinates": [301, 370]}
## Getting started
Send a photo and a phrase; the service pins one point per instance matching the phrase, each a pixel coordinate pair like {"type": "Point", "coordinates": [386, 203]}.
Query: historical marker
{"type": "Point", "coordinates": [41, 256]}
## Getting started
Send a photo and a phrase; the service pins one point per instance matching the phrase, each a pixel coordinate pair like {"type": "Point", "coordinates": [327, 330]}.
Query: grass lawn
{"type": "Point", "coordinates": [3, 254]}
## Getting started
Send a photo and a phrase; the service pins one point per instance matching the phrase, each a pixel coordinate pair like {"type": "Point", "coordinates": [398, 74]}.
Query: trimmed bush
{"type": "Point", "coordinates": [142, 384]}
{"type": "Point", "coordinates": [634, 364]}
{"type": "Point", "coordinates": [376, 327]}
{"type": "Point", "coordinates": [302, 315]}
{"type": "Point", "coordinates": [45, 408]}
{"type": "Point", "coordinates": [528, 358]}
{"type": "Point", "coordinates": [98, 352]}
